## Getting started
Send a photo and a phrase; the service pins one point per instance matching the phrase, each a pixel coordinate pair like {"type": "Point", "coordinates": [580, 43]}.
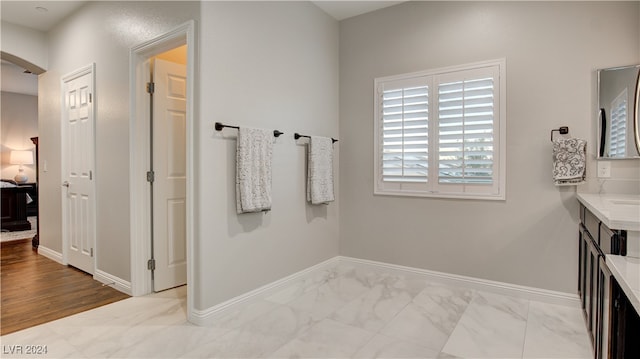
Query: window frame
{"type": "Point", "coordinates": [432, 188]}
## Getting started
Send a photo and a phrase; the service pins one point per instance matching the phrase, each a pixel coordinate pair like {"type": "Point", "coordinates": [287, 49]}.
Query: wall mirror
{"type": "Point", "coordinates": [619, 108]}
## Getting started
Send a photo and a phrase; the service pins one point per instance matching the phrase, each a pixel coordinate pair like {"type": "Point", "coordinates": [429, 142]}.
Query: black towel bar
{"type": "Point", "coordinates": [563, 131]}
{"type": "Point", "coordinates": [297, 136]}
{"type": "Point", "coordinates": [219, 126]}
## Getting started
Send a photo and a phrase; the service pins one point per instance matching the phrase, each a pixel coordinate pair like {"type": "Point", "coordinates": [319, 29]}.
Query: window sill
{"type": "Point", "coordinates": [467, 196]}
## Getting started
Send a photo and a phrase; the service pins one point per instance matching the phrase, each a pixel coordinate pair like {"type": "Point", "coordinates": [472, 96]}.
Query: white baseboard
{"type": "Point", "coordinates": [103, 277]}
{"type": "Point", "coordinates": [113, 281]}
{"type": "Point", "coordinates": [50, 253]}
{"type": "Point", "coordinates": [207, 316]}
{"type": "Point", "coordinates": [514, 290]}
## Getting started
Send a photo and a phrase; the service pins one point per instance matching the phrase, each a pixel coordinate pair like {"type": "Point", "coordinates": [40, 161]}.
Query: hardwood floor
{"type": "Point", "coordinates": [37, 290]}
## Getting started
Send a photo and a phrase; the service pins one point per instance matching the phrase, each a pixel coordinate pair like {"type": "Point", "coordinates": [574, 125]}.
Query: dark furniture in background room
{"type": "Point", "coordinates": [20, 201]}
{"type": "Point", "coordinates": [32, 191]}
{"type": "Point", "coordinates": [14, 208]}
{"type": "Point", "coordinates": [36, 239]}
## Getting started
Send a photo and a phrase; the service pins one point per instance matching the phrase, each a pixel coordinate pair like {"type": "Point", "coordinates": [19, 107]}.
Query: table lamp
{"type": "Point", "coordinates": [21, 158]}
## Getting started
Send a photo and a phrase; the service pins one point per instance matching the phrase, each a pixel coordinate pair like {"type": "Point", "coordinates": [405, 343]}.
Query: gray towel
{"type": "Point", "coordinates": [320, 170]}
{"type": "Point", "coordinates": [569, 161]}
{"type": "Point", "coordinates": [253, 170]}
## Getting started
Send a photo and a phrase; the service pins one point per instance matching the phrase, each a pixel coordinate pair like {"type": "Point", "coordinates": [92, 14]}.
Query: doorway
{"type": "Point", "coordinates": [143, 169]}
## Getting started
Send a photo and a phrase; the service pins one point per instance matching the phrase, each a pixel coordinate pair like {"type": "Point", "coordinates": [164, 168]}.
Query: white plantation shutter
{"type": "Point", "coordinates": [618, 132]}
{"type": "Point", "coordinates": [405, 115]}
{"type": "Point", "coordinates": [465, 131]}
{"type": "Point", "coordinates": [439, 132]}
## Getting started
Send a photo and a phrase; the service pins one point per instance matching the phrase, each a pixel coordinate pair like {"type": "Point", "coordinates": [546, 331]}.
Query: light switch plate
{"type": "Point", "coordinates": [604, 169]}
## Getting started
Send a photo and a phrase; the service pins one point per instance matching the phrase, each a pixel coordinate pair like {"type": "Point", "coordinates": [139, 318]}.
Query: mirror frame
{"type": "Point", "coordinates": [636, 126]}
{"type": "Point", "coordinates": [636, 115]}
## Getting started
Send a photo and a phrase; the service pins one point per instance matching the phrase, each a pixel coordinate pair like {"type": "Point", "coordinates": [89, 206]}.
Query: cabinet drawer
{"type": "Point", "coordinates": [592, 224]}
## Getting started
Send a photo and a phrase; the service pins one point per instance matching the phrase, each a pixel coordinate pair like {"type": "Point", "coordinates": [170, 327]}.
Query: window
{"type": "Point", "coordinates": [440, 133]}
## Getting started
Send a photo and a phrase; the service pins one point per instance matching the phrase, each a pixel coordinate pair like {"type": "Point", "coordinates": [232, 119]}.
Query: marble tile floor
{"type": "Point", "coordinates": [343, 312]}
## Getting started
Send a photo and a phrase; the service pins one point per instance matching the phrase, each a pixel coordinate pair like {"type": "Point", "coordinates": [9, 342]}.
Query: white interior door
{"type": "Point", "coordinates": [78, 148]}
{"type": "Point", "coordinates": [169, 167]}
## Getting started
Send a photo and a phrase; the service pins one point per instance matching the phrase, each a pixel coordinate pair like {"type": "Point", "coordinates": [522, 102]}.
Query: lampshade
{"type": "Point", "coordinates": [21, 158]}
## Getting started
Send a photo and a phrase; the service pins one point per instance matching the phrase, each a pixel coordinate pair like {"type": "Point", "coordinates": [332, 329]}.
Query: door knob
{"type": "Point", "coordinates": [65, 184]}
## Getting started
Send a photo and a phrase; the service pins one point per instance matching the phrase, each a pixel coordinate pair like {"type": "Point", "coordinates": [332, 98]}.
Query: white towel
{"type": "Point", "coordinates": [253, 170]}
{"type": "Point", "coordinates": [569, 161]}
{"type": "Point", "coordinates": [320, 170]}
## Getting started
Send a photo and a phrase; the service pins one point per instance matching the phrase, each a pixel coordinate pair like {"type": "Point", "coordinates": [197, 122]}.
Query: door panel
{"type": "Point", "coordinates": [604, 312]}
{"type": "Point", "coordinates": [169, 166]}
{"type": "Point", "coordinates": [78, 163]}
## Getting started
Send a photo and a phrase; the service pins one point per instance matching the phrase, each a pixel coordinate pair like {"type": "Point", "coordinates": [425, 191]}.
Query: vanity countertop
{"type": "Point", "coordinates": [616, 211]}
{"type": "Point", "coordinates": [626, 270]}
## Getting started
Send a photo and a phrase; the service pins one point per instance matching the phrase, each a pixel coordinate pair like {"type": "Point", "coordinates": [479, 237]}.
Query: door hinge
{"type": "Point", "coordinates": [151, 264]}
{"type": "Point", "coordinates": [90, 175]}
{"type": "Point", "coordinates": [90, 98]}
{"type": "Point", "coordinates": [91, 252]}
{"type": "Point", "coordinates": [151, 87]}
{"type": "Point", "coordinates": [151, 176]}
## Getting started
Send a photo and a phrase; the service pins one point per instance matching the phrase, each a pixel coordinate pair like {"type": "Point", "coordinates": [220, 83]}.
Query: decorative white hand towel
{"type": "Point", "coordinates": [569, 161]}
{"type": "Point", "coordinates": [320, 170]}
{"type": "Point", "coordinates": [253, 170]}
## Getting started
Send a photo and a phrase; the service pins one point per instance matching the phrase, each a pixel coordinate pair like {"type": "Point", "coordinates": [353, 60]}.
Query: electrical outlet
{"type": "Point", "coordinates": [604, 169]}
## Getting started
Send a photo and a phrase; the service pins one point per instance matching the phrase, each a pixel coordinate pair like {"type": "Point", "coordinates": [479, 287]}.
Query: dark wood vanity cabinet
{"type": "Point", "coordinates": [608, 313]}
{"type": "Point", "coordinates": [609, 241]}
{"type": "Point", "coordinates": [618, 330]}
{"type": "Point", "coordinates": [626, 322]}
{"type": "Point", "coordinates": [590, 257]}
{"type": "Point", "coordinates": [604, 342]}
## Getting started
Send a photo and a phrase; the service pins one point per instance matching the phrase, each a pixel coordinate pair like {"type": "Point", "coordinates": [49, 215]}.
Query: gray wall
{"type": "Point", "coordinates": [289, 66]}
{"type": "Point", "coordinates": [270, 65]}
{"type": "Point", "coordinates": [259, 64]}
{"type": "Point", "coordinates": [29, 45]}
{"type": "Point", "coordinates": [552, 51]}
{"type": "Point", "coordinates": [100, 32]}
{"type": "Point", "coordinates": [19, 124]}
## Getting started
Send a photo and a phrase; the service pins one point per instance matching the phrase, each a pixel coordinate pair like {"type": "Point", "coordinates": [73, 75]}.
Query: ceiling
{"type": "Point", "coordinates": [43, 15]}
{"type": "Point", "coordinates": [38, 15]}
{"type": "Point", "coordinates": [341, 10]}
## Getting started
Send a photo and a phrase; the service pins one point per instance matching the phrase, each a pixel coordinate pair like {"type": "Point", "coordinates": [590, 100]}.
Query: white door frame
{"type": "Point", "coordinates": [139, 156]}
{"type": "Point", "coordinates": [91, 70]}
